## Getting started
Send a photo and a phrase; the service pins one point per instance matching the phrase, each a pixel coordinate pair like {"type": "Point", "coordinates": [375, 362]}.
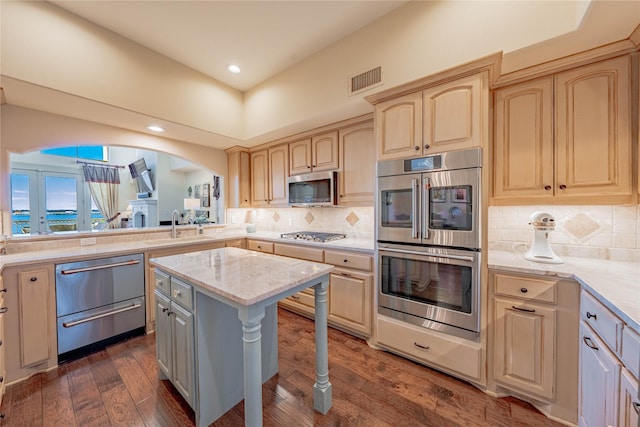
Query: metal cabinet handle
{"type": "Point", "coordinates": [563, 187]}
{"type": "Point", "coordinates": [345, 260]}
{"type": "Point", "coordinates": [295, 297]}
{"type": "Point", "coordinates": [0, 342]}
{"type": "Point", "coordinates": [547, 187]}
{"type": "Point", "coordinates": [421, 347]}
{"type": "Point", "coordinates": [3, 310]}
{"type": "Point", "coordinates": [526, 310]}
{"type": "Point", "coordinates": [524, 290]}
{"type": "Point", "coordinates": [417, 147]}
{"type": "Point", "coordinates": [3, 290]}
{"type": "Point", "coordinates": [177, 293]}
{"type": "Point", "coordinates": [345, 274]}
{"type": "Point", "coordinates": [636, 407]}
{"type": "Point", "coordinates": [133, 306]}
{"type": "Point", "coordinates": [165, 309]}
{"type": "Point", "coordinates": [1, 379]}
{"type": "Point", "coordinates": [97, 267]}
{"type": "Point", "coordinates": [589, 316]}
{"type": "Point", "coordinates": [33, 279]}
{"type": "Point", "coordinates": [589, 343]}
{"type": "Point", "coordinates": [426, 146]}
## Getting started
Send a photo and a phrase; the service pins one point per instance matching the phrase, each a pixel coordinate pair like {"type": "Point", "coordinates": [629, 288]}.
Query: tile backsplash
{"type": "Point", "coordinates": [602, 231]}
{"type": "Point", "coordinates": [353, 221]}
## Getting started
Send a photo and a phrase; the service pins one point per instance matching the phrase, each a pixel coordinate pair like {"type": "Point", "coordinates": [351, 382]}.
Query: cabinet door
{"type": "Point", "coordinates": [3, 372]}
{"type": "Point", "coordinates": [523, 154]}
{"type": "Point", "coordinates": [629, 400]}
{"type": "Point", "coordinates": [260, 178]}
{"type": "Point", "coordinates": [33, 296]}
{"type": "Point", "coordinates": [238, 184]}
{"type": "Point", "coordinates": [399, 127]}
{"type": "Point", "coordinates": [357, 179]}
{"type": "Point", "coordinates": [599, 378]}
{"type": "Point", "coordinates": [300, 157]}
{"type": "Point", "coordinates": [163, 334]}
{"type": "Point", "coordinates": [453, 115]}
{"type": "Point", "coordinates": [324, 151]}
{"type": "Point", "coordinates": [350, 300]}
{"type": "Point", "coordinates": [525, 347]}
{"type": "Point", "coordinates": [593, 143]}
{"type": "Point", "coordinates": [278, 173]}
{"type": "Point", "coordinates": [183, 350]}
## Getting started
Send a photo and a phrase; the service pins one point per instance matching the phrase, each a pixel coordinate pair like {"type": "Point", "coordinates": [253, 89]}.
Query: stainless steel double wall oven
{"type": "Point", "coordinates": [428, 234]}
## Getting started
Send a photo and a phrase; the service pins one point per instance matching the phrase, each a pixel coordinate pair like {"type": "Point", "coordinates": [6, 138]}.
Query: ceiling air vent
{"type": "Point", "coordinates": [365, 81]}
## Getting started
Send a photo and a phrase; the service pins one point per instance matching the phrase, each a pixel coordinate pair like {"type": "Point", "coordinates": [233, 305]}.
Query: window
{"type": "Point", "coordinates": [89, 152]}
{"type": "Point", "coordinates": [44, 202]}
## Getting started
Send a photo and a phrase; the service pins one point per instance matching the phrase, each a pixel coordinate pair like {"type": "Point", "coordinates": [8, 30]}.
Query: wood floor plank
{"type": "Point", "coordinates": [120, 386]}
{"type": "Point", "coordinates": [121, 408]}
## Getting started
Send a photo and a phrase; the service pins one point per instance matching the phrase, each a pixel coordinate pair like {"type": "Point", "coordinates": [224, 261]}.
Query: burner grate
{"type": "Point", "coordinates": [313, 236]}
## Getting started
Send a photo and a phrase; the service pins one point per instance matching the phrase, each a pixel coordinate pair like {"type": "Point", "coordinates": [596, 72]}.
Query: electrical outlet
{"type": "Point", "coordinates": [233, 219]}
{"type": "Point", "coordinates": [290, 222]}
{"type": "Point", "coordinates": [88, 241]}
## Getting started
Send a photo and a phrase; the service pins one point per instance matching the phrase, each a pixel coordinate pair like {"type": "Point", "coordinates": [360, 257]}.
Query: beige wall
{"type": "Point", "coordinates": [47, 46]}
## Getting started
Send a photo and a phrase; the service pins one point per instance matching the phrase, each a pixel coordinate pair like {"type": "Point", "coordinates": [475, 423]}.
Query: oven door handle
{"type": "Point", "coordinates": [415, 208]}
{"type": "Point", "coordinates": [426, 215]}
{"type": "Point", "coordinates": [456, 257]}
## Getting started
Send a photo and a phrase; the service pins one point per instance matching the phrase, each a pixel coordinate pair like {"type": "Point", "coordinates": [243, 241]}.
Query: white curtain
{"type": "Point", "coordinates": [103, 183]}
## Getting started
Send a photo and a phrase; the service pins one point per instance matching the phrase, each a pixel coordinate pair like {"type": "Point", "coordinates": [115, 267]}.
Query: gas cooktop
{"type": "Point", "coordinates": [313, 236]}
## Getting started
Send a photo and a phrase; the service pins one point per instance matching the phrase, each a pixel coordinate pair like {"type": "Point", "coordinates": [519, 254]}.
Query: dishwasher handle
{"type": "Point", "coordinates": [99, 267]}
{"type": "Point", "coordinates": [133, 306]}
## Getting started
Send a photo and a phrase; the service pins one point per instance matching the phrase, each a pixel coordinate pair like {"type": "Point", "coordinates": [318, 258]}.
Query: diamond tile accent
{"type": "Point", "coordinates": [309, 217]}
{"type": "Point", "coordinates": [581, 226]}
{"type": "Point", "coordinates": [352, 218]}
{"type": "Point", "coordinates": [276, 217]}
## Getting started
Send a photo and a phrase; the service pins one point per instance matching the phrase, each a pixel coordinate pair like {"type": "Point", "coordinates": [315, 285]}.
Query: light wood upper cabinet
{"type": "Point", "coordinates": [269, 172]}
{"type": "Point", "coordinates": [357, 177]}
{"type": "Point", "coordinates": [593, 122]}
{"type": "Point", "coordinates": [399, 127]}
{"type": "Point", "coordinates": [566, 138]}
{"type": "Point", "coordinates": [315, 154]}
{"type": "Point", "coordinates": [523, 154]}
{"type": "Point", "coordinates": [239, 179]}
{"type": "Point", "coordinates": [453, 114]}
{"type": "Point", "coordinates": [445, 117]}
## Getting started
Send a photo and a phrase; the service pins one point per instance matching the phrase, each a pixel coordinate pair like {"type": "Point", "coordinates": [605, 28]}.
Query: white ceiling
{"type": "Point", "coordinates": [262, 37]}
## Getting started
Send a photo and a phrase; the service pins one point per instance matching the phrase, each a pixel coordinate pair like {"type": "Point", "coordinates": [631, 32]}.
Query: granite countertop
{"type": "Point", "coordinates": [615, 283]}
{"type": "Point", "coordinates": [240, 275]}
{"type": "Point", "coordinates": [60, 251]}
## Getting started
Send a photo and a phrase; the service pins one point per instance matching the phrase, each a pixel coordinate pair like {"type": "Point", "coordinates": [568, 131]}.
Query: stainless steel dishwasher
{"type": "Point", "coordinates": [98, 300]}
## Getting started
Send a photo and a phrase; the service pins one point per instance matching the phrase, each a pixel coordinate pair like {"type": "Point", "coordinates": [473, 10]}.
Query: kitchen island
{"type": "Point", "coordinates": [220, 286]}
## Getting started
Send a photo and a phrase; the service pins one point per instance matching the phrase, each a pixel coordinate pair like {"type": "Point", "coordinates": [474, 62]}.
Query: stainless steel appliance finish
{"type": "Point", "coordinates": [313, 236]}
{"type": "Point", "coordinates": [99, 299]}
{"type": "Point", "coordinates": [432, 200]}
{"type": "Point", "coordinates": [313, 189]}
{"type": "Point", "coordinates": [436, 288]}
{"type": "Point", "coordinates": [429, 241]}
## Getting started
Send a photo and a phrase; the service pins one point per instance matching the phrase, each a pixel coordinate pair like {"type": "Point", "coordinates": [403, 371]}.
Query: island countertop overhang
{"type": "Point", "coordinates": [241, 276]}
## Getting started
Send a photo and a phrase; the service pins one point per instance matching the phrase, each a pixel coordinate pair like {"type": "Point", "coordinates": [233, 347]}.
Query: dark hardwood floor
{"type": "Point", "coordinates": [118, 386]}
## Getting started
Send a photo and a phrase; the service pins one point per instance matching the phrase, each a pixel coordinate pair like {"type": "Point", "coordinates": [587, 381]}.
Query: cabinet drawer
{"type": "Point", "coordinates": [603, 322]}
{"type": "Point", "coordinates": [304, 298]}
{"type": "Point", "coordinates": [447, 352]}
{"type": "Point", "coordinates": [163, 282]}
{"type": "Point", "coordinates": [529, 288]}
{"type": "Point", "coordinates": [310, 254]}
{"type": "Point", "coordinates": [181, 293]}
{"type": "Point", "coordinates": [631, 350]}
{"type": "Point", "coordinates": [348, 260]}
{"type": "Point", "coordinates": [261, 246]}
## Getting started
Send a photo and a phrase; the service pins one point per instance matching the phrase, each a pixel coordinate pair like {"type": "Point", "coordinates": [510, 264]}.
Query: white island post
{"type": "Point", "coordinates": [252, 283]}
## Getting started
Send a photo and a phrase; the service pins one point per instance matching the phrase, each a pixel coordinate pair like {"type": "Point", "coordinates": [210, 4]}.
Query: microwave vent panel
{"type": "Point", "coordinates": [365, 81]}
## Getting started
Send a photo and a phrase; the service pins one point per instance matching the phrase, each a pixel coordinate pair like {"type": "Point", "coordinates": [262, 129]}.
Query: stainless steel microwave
{"type": "Point", "coordinates": [313, 189]}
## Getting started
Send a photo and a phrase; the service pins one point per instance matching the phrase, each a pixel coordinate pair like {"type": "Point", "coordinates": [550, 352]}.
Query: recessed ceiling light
{"type": "Point", "coordinates": [155, 128]}
{"type": "Point", "coordinates": [233, 68]}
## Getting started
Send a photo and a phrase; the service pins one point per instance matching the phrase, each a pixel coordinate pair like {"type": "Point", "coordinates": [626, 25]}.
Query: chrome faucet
{"type": "Point", "coordinates": [175, 216]}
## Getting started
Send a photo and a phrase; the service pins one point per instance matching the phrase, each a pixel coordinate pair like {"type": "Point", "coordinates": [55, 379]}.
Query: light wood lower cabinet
{"type": "Point", "coordinates": [350, 294]}
{"type": "Point", "coordinates": [30, 321]}
{"type": "Point", "coordinates": [3, 309]}
{"type": "Point", "coordinates": [599, 381]}
{"type": "Point", "coordinates": [533, 340]}
{"type": "Point", "coordinates": [609, 364]}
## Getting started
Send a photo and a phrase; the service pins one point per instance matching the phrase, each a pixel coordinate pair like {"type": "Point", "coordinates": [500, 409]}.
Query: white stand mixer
{"type": "Point", "coordinates": [540, 250]}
